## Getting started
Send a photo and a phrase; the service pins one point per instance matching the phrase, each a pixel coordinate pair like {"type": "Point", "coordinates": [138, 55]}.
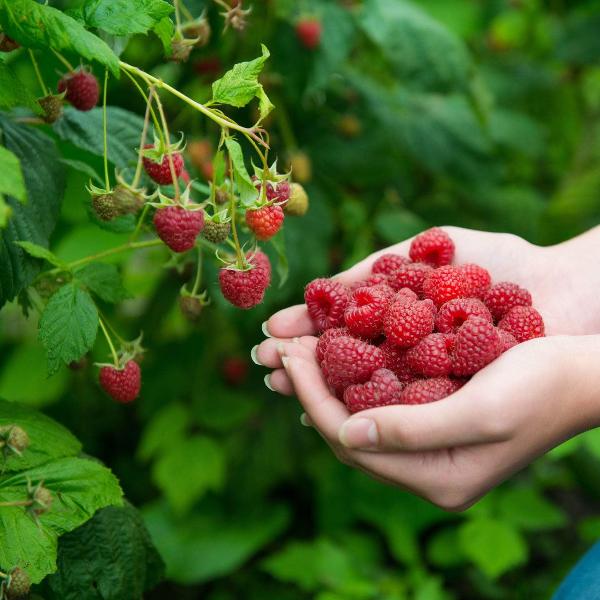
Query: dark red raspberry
{"type": "Point", "coordinates": [122, 385]}
{"type": "Point", "coordinates": [376, 279]}
{"type": "Point", "coordinates": [405, 322]}
{"type": "Point", "coordinates": [7, 44]}
{"type": "Point", "coordinates": [178, 227]}
{"type": "Point", "coordinates": [524, 322]}
{"type": "Point", "coordinates": [235, 370]}
{"type": "Point", "coordinates": [478, 343]}
{"type": "Point", "coordinates": [348, 361]}
{"type": "Point", "coordinates": [444, 284]}
{"type": "Point", "coordinates": [309, 32]}
{"type": "Point", "coordinates": [478, 279]}
{"type": "Point", "coordinates": [424, 391]}
{"type": "Point", "coordinates": [503, 296]}
{"type": "Point", "coordinates": [365, 310]}
{"type": "Point", "coordinates": [395, 360]}
{"type": "Point", "coordinates": [431, 356]}
{"type": "Point", "coordinates": [410, 276]}
{"type": "Point", "coordinates": [382, 389]}
{"type": "Point", "coordinates": [508, 340]}
{"type": "Point", "coordinates": [434, 247]}
{"type": "Point", "coordinates": [266, 221]}
{"type": "Point", "coordinates": [326, 301]}
{"type": "Point", "coordinates": [283, 191]}
{"type": "Point", "coordinates": [454, 313]}
{"type": "Point", "coordinates": [326, 337]}
{"type": "Point", "coordinates": [246, 289]}
{"type": "Point", "coordinates": [388, 263]}
{"type": "Point", "coordinates": [82, 89]}
{"type": "Point", "coordinates": [160, 172]}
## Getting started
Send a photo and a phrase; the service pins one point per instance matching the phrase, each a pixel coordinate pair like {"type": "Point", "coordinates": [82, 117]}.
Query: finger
{"type": "Point", "coordinates": [289, 323]}
{"type": "Point", "coordinates": [278, 381]}
{"type": "Point", "coordinates": [266, 354]}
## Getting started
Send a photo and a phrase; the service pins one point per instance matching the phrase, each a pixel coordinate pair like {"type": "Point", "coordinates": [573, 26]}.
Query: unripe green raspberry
{"type": "Point", "coordinates": [191, 307]}
{"type": "Point", "coordinates": [216, 233]}
{"type": "Point", "coordinates": [17, 439]}
{"type": "Point", "coordinates": [127, 200]}
{"type": "Point", "coordinates": [52, 106]}
{"type": "Point", "coordinates": [42, 500]}
{"type": "Point", "coordinates": [297, 205]}
{"type": "Point", "coordinates": [19, 584]}
{"type": "Point", "coordinates": [105, 206]}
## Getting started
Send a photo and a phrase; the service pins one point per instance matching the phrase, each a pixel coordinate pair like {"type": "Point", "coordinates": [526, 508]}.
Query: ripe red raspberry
{"type": "Point", "coordinates": [82, 89]}
{"type": "Point", "coordinates": [433, 247]}
{"type": "Point", "coordinates": [524, 322]}
{"type": "Point", "coordinates": [348, 361]}
{"type": "Point", "coordinates": [246, 289]}
{"type": "Point", "coordinates": [160, 172]}
{"type": "Point", "coordinates": [309, 32]}
{"type": "Point", "coordinates": [478, 279]}
{"type": "Point", "coordinates": [326, 301]}
{"type": "Point", "coordinates": [455, 312]}
{"type": "Point", "coordinates": [326, 337]}
{"type": "Point", "coordinates": [410, 276]}
{"type": "Point", "coordinates": [395, 360]}
{"type": "Point", "coordinates": [235, 370]}
{"type": "Point", "coordinates": [266, 221]}
{"type": "Point", "coordinates": [407, 295]}
{"type": "Point", "coordinates": [388, 263]}
{"type": "Point", "coordinates": [431, 356]}
{"type": "Point", "coordinates": [382, 389]}
{"type": "Point", "coordinates": [503, 296]}
{"type": "Point", "coordinates": [507, 339]}
{"type": "Point", "coordinates": [365, 310]}
{"type": "Point", "coordinates": [444, 284]}
{"type": "Point", "coordinates": [424, 391]}
{"type": "Point", "coordinates": [122, 385]}
{"type": "Point", "coordinates": [478, 343]}
{"type": "Point", "coordinates": [178, 227]}
{"type": "Point", "coordinates": [405, 322]}
{"type": "Point", "coordinates": [376, 279]}
{"type": "Point", "coordinates": [283, 191]}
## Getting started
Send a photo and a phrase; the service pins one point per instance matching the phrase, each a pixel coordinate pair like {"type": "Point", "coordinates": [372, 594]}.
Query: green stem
{"type": "Point", "coordinates": [104, 131]}
{"type": "Point", "coordinates": [109, 341]}
{"type": "Point", "coordinates": [177, 17]}
{"type": "Point", "coordinates": [169, 152]}
{"type": "Point", "coordinates": [140, 223]}
{"type": "Point", "coordinates": [19, 503]}
{"type": "Point", "coordinates": [113, 251]}
{"type": "Point", "coordinates": [63, 60]}
{"type": "Point", "coordinates": [138, 169]}
{"type": "Point", "coordinates": [232, 210]}
{"type": "Point", "coordinates": [110, 327]}
{"type": "Point", "coordinates": [38, 74]}
{"type": "Point", "coordinates": [198, 278]}
{"type": "Point", "coordinates": [285, 127]}
{"type": "Point", "coordinates": [155, 120]}
{"type": "Point", "coordinates": [208, 245]}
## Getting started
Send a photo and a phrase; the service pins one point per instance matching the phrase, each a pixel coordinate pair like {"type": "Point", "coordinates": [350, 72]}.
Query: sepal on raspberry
{"type": "Point", "coordinates": [157, 159]}
{"type": "Point", "coordinates": [245, 285]}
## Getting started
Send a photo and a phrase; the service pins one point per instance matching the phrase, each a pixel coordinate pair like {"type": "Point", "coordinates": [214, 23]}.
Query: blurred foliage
{"type": "Point", "coordinates": [479, 114]}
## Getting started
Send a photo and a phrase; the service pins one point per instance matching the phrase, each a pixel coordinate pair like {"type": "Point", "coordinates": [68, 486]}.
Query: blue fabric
{"type": "Point", "coordinates": [583, 582]}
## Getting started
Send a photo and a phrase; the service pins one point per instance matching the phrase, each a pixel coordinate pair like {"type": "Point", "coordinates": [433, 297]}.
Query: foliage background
{"type": "Point", "coordinates": [479, 114]}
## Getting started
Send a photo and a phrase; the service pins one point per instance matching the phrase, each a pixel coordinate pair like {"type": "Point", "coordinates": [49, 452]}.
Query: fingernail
{"type": "Point", "coordinates": [296, 340]}
{"type": "Point", "coordinates": [265, 330]}
{"type": "Point", "coordinates": [281, 349]}
{"type": "Point", "coordinates": [359, 433]}
{"type": "Point", "coordinates": [285, 361]}
{"type": "Point", "coordinates": [305, 420]}
{"type": "Point", "coordinates": [268, 382]}
{"type": "Point", "coordinates": [254, 356]}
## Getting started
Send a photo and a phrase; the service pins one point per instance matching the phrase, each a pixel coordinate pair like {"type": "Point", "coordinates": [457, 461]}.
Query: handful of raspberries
{"type": "Point", "coordinates": [418, 328]}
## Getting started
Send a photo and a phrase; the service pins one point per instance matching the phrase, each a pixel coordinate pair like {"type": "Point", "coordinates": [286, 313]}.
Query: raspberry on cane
{"type": "Point", "coordinates": [246, 288]}
{"type": "Point", "coordinates": [178, 227]}
{"type": "Point", "coordinates": [309, 32]}
{"type": "Point", "coordinates": [424, 391]}
{"type": "Point", "coordinates": [410, 276]}
{"type": "Point", "coordinates": [434, 247]}
{"type": "Point", "coordinates": [478, 343]}
{"type": "Point", "coordinates": [326, 337]}
{"type": "Point", "coordinates": [365, 310]}
{"type": "Point", "coordinates": [326, 301]}
{"type": "Point", "coordinates": [478, 279]}
{"type": "Point", "coordinates": [444, 284]}
{"type": "Point", "coordinates": [396, 361]}
{"type": "Point", "coordinates": [122, 385]}
{"type": "Point", "coordinates": [388, 263]}
{"type": "Point", "coordinates": [503, 296]}
{"type": "Point", "coordinates": [405, 322]}
{"type": "Point", "coordinates": [265, 221]}
{"type": "Point", "coordinates": [523, 322]}
{"type": "Point", "coordinates": [455, 312]}
{"type": "Point", "coordinates": [82, 89]}
{"type": "Point", "coordinates": [382, 389]}
{"type": "Point", "coordinates": [431, 357]}
{"type": "Point", "coordinates": [159, 168]}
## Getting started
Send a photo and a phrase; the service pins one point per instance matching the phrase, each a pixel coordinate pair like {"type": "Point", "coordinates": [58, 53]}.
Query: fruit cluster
{"type": "Point", "coordinates": [417, 328]}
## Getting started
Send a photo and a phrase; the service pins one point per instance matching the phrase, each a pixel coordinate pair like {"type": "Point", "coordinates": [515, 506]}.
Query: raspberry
{"type": "Point", "coordinates": [15, 438]}
{"type": "Point", "coordinates": [478, 279]}
{"type": "Point", "coordinates": [455, 312]}
{"type": "Point", "coordinates": [365, 310]}
{"type": "Point", "coordinates": [326, 302]}
{"type": "Point", "coordinates": [431, 356]}
{"type": "Point", "coordinates": [377, 279]}
{"type": "Point", "coordinates": [444, 284]}
{"type": "Point", "coordinates": [408, 295]}
{"type": "Point", "coordinates": [326, 337]}
{"type": "Point", "coordinates": [284, 191]}
{"type": "Point", "coordinates": [309, 32]}
{"type": "Point", "coordinates": [503, 296]}
{"type": "Point", "coordinates": [405, 322]}
{"type": "Point", "coordinates": [160, 172]}
{"type": "Point", "coordinates": [82, 89]}
{"type": "Point", "coordinates": [52, 106]}
{"type": "Point", "coordinates": [382, 389]}
{"type": "Point", "coordinates": [524, 322]}
{"type": "Point", "coordinates": [191, 307]}
{"type": "Point", "coordinates": [477, 344]}
{"type": "Point", "coordinates": [297, 205]}
{"type": "Point", "coordinates": [105, 207]}
{"type": "Point", "coordinates": [395, 360]}
{"type": "Point", "coordinates": [178, 227]}
{"type": "Point", "coordinates": [433, 247]}
{"type": "Point", "coordinates": [266, 221]}
{"type": "Point", "coordinates": [7, 44]}
{"type": "Point", "coordinates": [128, 200]}
{"type": "Point", "coordinates": [122, 385]}
{"type": "Point", "coordinates": [507, 339]}
{"type": "Point", "coordinates": [246, 289]}
{"type": "Point", "coordinates": [388, 263]}
{"type": "Point", "coordinates": [348, 361]}
{"type": "Point", "coordinates": [410, 276]}
{"type": "Point", "coordinates": [215, 232]}
{"type": "Point", "coordinates": [235, 370]}
{"type": "Point", "coordinates": [424, 391]}
{"type": "Point", "coordinates": [19, 584]}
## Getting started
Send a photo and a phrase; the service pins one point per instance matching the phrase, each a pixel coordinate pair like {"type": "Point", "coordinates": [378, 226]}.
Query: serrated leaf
{"type": "Point", "coordinates": [109, 557]}
{"type": "Point", "coordinates": [527, 509]}
{"type": "Point", "coordinates": [68, 325]}
{"type": "Point", "coordinates": [245, 185]}
{"type": "Point", "coordinates": [40, 26]}
{"type": "Point", "coordinates": [104, 280]}
{"type": "Point", "coordinates": [164, 30]}
{"type": "Point", "coordinates": [38, 251]}
{"type": "Point", "coordinates": [11, 176]}
{"type": "Point", "coordinates": [14, 93]}
{"type": "Point", "coordinates": [84, 168]}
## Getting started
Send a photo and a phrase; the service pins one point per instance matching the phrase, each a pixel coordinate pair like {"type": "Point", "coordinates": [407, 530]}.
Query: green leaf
{"type": "Point", "coordinates": [245, 185]}
{"type": "Point", "coordinates": [34, 220]}
{"type": "Point", "coordinates": [164, 30]}
{"type": "Point", "coordinates": [104, 280]}
{"type": "Point", "coordinates": [527, 509]}
{"type": "Point", "coordinates": [168, 424]}
{"type": "Point", "coordinates": [78, 165]}
{"type": "Point", "coordinates": [68, 325]}
{"type": "Point", "coordinates": [187, 469]}
{"type": "Point", "coordinates": [40, 26]}
{"type": "Point", "coordinates": [38, 251]}
{"type": "Point", "coordinates": [240, 85]}
{"type": "Point", "coordinates": [282, 267]}
{"type": "Point", "coordinates": [13, 92]}
{"type": "Point", "coordinates": [11, 177]}
{"type": "Point", "coordinates": [123, 17]}
{"type": "Point", "coordinates": [494, 546]}
{"type": "Point", "coordinates": [393, 226]}
{"type": "Point", "coordinates": [109, 557]}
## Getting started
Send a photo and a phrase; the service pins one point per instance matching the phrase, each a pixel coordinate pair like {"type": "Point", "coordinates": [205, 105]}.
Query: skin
{"type": "Point", "coordinates": [532, 398]}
